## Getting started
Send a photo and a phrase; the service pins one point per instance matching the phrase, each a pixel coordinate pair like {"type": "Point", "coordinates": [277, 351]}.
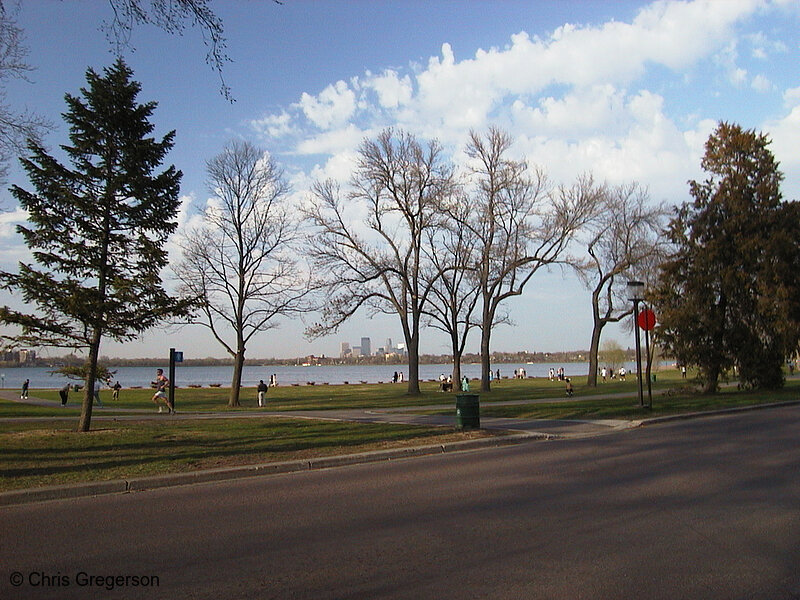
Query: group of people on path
{"type": "Point", "coordinates": [609, 373]}
{"type": "Point", "coordinates": [63, 392]}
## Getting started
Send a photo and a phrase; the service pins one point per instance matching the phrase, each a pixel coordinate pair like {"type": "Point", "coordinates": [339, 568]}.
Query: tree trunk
{"type": "Point", "coordinates": [236, 382]}
{"type": "Point", "coordinates": [486, 332]}
{"type": "Point", "coordinates": [413, 367]}
{"type": "Point", "coordinates": [456, 366]}
{"type": "Point", "coordinates": [594, 349]}
{"type": "Point", "coordinates": [88, 388]}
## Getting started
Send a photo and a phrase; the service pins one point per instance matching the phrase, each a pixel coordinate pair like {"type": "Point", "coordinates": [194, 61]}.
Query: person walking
{"type": "Point", "coordinates": [262, 392]}
{"type": "Point", "coordinates": [161, 383]}
{"type": "Point", "coordinates": [97, 393]}
{"type": "Point", "coordinates": [64, 393]}
{"type": "Point", "coordinates": [24, 393]}
{"type": "Point", "coordinates": [117, 387]}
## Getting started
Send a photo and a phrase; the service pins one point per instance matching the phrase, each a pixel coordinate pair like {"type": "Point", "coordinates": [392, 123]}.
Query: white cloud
{"type": "Point", "coordinates": [333, 142]}
{"type": "Point", "coordinates": [393, 91]}
{"type": "Point", "coordinates": [274, 126]}
{"type": "Point", "coordinates": [784, 132]}
{"type": "Point", "coordinates": [332, 107]}
{"type": "Point", "coordinates": [576, 99]}
{"type": "Point", "coordinates": [12, 245]}
{"type": "Point", "coordinates": [761, 84]}
{"type": "Point", "coordinates": [791, 97]}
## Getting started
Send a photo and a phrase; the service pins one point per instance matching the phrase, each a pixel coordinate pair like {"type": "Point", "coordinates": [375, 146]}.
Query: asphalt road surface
{"type": "Point", "coordinates": [708, 508]}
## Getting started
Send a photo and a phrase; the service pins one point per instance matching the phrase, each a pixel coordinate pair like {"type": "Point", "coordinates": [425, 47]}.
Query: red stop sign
{"type": "Point", "coordinates": [647, 319]}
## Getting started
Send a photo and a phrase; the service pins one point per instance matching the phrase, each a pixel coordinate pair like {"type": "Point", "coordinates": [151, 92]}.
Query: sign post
{"type": "Point", "coordinates": [174, 357]}
{"type": "Point", "coordinates": [647, 321]}
{"type": "Point", "coordinates": [636, 295]}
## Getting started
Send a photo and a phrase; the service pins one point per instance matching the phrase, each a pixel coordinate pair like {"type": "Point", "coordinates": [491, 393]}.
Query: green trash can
{"type": "Point", "coordinates": [468, 411]}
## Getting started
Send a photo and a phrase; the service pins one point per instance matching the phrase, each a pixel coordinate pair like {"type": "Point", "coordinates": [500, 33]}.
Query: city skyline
{"type": "Point", "coordinates": [628, 90]}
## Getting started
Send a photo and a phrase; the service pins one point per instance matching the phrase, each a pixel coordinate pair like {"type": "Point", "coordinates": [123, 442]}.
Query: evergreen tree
{"type": "Point", "coordinates": [728, 297]}
{"type": "Point", "coordinates": [97, 228]}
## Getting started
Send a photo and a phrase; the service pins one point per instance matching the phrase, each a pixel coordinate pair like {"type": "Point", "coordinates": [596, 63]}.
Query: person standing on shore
{"type": "Point", "coordinates": [64, 393]}
{"type": "Point", "coordinates": [24, 394]}
{"type": "Point", "coordinates": [262, 392]}
{"type": "Point", "coordinates": [161, 383]}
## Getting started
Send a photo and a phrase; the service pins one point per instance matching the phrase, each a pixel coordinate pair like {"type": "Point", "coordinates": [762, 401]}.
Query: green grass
{"type": "Point", "coordinates": [629, 408]}
{"type": "Point", "coordinates": [332, 397]}
{"type": "Point", "coordinates": [35, 454]}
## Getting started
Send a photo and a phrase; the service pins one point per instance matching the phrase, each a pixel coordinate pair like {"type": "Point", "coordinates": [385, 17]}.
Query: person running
{"type": "Point", "coordinates": [161, 383]}
{"type": "Point", "coordinates": [262, 389]}
{"type": "Point", "coordinates": [24, 394]}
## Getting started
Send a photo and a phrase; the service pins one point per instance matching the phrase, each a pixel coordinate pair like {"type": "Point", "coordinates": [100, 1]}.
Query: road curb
{"type": "Point", "coordinates": [712, 413]}
{"type": "Point", "coordinates": [139, 484]}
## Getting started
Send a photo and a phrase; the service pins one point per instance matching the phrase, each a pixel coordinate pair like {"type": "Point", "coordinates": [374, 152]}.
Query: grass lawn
{"type": "Point", "coordinates": [36, 454]}
{"type": "Point", "coordinates": [331, 397]}
{"type": "Point", "coordinates": [676, 402]}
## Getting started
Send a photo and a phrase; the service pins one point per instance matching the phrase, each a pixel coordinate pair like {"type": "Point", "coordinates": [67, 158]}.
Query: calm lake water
{"type": "Point", "coordinates": [142, 376]}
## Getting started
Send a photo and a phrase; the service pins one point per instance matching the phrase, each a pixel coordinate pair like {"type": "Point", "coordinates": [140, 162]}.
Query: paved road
{"type": "Point", "coordinates": [708, 508]}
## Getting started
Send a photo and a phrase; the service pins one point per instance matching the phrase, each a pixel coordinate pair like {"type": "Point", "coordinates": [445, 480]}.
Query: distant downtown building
{"type": "Point", "coordinates": [366, 347]}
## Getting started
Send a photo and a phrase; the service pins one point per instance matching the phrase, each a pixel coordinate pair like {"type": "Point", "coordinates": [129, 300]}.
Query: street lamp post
{"type": "Point", "coordinates": [636, 295]}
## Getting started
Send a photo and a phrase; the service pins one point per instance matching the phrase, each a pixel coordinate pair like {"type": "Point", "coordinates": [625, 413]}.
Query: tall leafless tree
{"type": "Point", "coordinates": [520, 224]}
{"type": "Point", "coordinates": [623, 239]}
{"type": "Point", "coordinates": [456, 291]}
{"type": "Point", "coordinates": [240, 264]}
{"type": "Point", "coordinates": [368, 245]}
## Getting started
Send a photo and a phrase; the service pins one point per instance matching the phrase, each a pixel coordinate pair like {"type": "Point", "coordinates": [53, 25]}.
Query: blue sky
{"type": "Point", "coordinates": [626, 90]}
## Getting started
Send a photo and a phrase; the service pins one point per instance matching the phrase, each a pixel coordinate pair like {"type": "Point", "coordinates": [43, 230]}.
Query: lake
{"type": "Point", "coordinates": [41, 377]}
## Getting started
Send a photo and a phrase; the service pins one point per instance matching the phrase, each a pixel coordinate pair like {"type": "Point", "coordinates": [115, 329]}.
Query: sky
{"type": "Point", "coordinates": [626, 90]}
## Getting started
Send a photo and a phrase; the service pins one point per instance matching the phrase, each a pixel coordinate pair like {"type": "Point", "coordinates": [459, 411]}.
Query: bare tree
{"type": "Point", "coordinates": [240, 263]}
{"type": "Point", "coordinates": [17, 129]}
{"type": "Point", "coordinates": [378, 259]}
{"type": "Point", "coordinates": [624, 238]}
{"type": "Point", "coordinates": [171, 16]}
{"type": "Point", "coordinates": [521, 225]}
{"type": "Point", "coordinates": [456, 290]}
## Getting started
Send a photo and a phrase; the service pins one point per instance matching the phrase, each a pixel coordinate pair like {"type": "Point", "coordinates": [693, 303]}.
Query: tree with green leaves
{"type": "Point", "coordinates": [97, 228]}
{"type": "Point", "coordinates": [728, 296]}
